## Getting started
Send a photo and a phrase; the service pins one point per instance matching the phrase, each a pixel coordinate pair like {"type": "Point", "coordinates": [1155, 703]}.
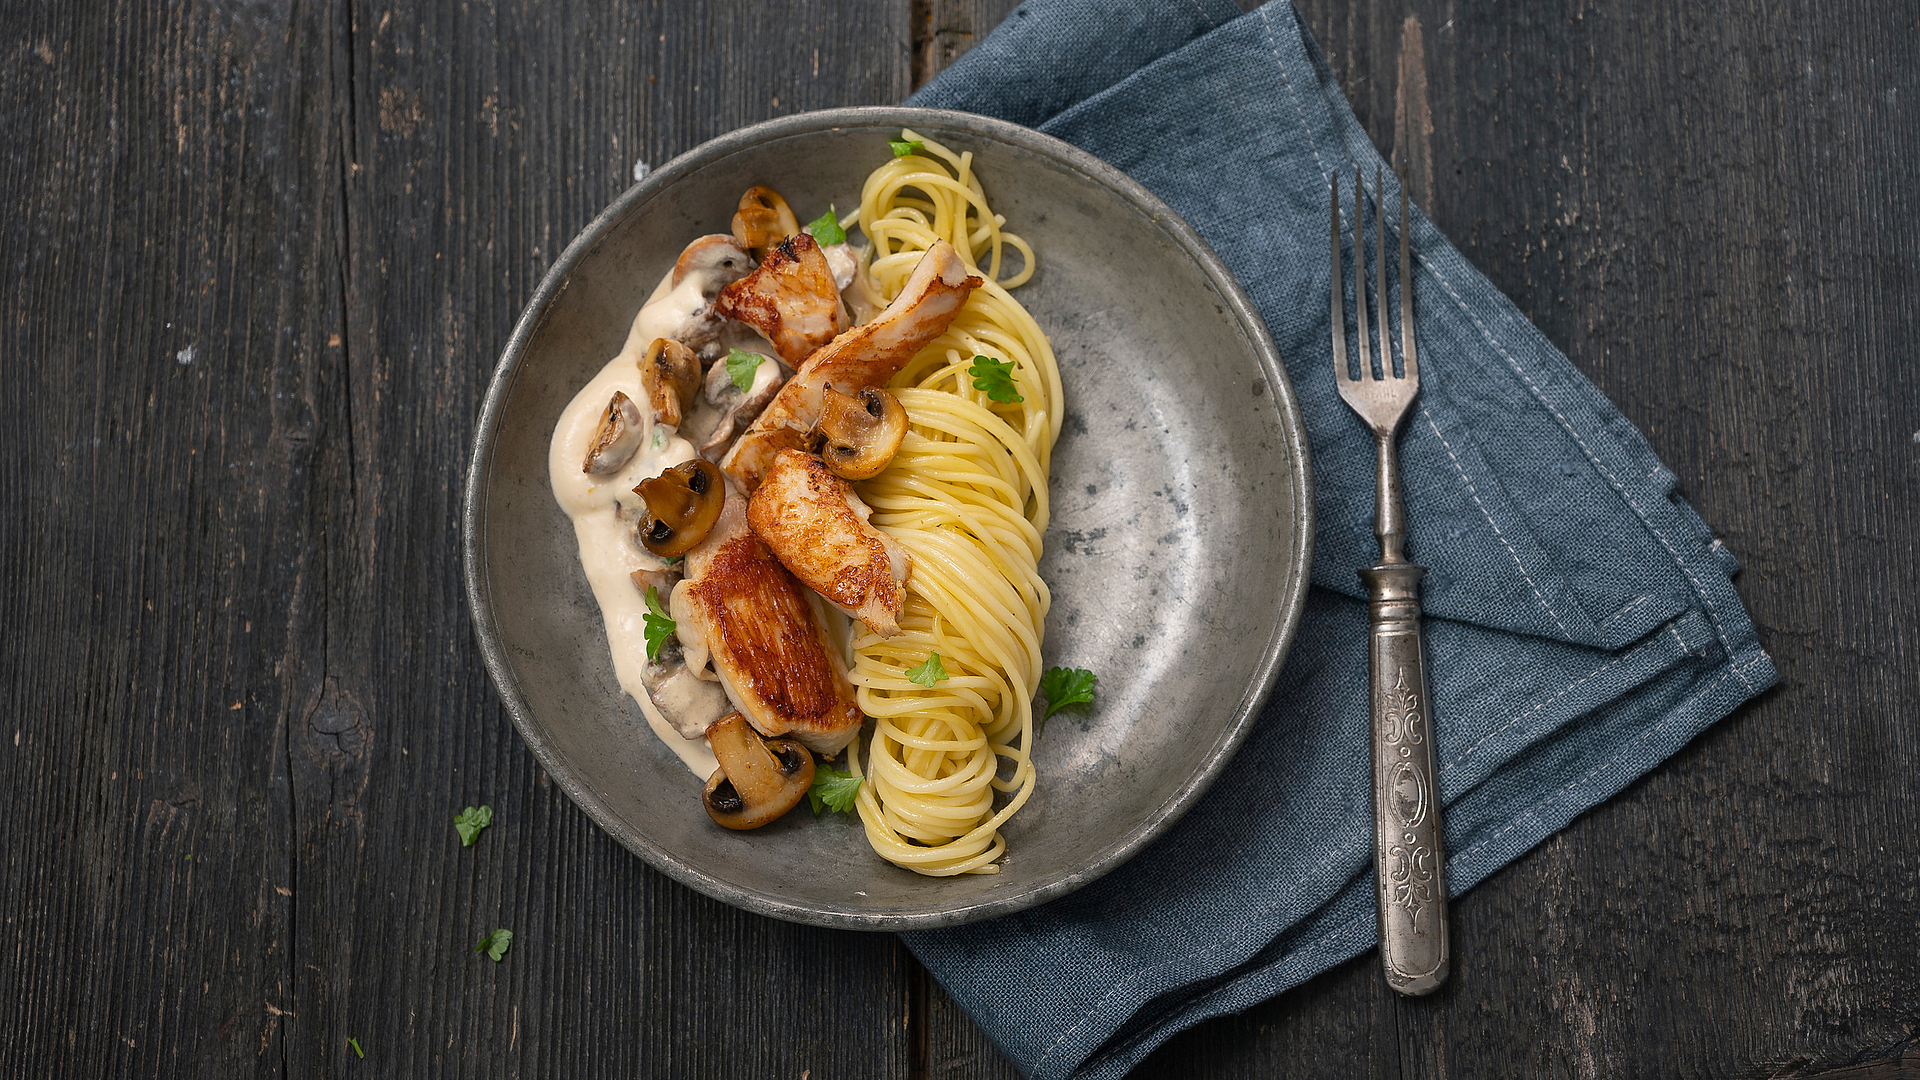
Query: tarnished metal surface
{"type": "Point", "coordinates": [1409, 860]}
{"type": "Point", "coordinates": [1177, 554]}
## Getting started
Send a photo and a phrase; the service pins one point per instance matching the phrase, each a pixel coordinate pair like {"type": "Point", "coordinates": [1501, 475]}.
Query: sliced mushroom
{"type": "Point", "coordinates": [758, 779]}
{"type": "Point", "coordinates": [670, 375]}
{"type": "Point", "coordinates": [763, 220]}
{"type": "Point", "coordinates": [660, 581]}
{"type": "Point", "coordinates": [718, 261]}
{"type": "Point", "coordinates": [682, 505]}
{"type": "Point", "coordinates": [714, 262]}
{"type": "Point", "coordinates": [617, 439]}
{"type": "Point", "coordinates": [859, 434]}
{"type": "Point", "coordinates": [732, 408]}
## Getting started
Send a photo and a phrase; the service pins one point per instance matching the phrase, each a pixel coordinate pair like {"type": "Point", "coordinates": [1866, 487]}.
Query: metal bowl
{"type": "Point", "coordinates": [1177, 554]}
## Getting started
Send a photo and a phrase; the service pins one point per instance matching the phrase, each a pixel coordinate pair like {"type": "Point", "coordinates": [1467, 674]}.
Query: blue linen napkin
{"type": "Point", "coordinates": [1581, 621]}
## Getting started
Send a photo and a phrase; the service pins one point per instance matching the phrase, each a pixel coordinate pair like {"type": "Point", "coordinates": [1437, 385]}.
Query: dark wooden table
{"type": "Point", "coordinates": [260, 257]}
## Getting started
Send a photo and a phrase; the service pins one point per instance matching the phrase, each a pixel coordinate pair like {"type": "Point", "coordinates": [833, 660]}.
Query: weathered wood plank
{"type": "Point", "coordinates": [478, 140]}
{"type": "Point", "coordinates": [170, 233]}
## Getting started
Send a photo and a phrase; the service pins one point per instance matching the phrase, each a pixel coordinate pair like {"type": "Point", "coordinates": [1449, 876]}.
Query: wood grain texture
{"type": "Point", "coordinates": [262, 257]}
{"type": "Point", "coordinates": [265, 259]}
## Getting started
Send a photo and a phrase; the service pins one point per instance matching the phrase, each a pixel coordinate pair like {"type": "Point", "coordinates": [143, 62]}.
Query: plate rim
{"type": "Point", "coordinates": [506, 372]}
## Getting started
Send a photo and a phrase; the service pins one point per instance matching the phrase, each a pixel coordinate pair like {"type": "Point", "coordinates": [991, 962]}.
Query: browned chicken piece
{"type": "Point", "coordinates": [791, 298]}
{"type": "Point", "coordinates": [864, 356]}
{"type": "Point", "coordinates": [741, 609]}
{"type": "Point", "coordinates": [817, 527]}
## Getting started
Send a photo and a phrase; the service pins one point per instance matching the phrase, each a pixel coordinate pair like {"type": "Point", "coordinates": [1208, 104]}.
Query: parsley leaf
{"type": "Point", "coordinates": [657, 624]}
{"type": "Point", "coordinates": [470, 821]}
{"type": "Point", "coordinates": [741, 366]}
{"type": "Point", "coordinates": [833, 789]}
{"type": "Point", "coordinates": [996, 378]}
{"type": "Point", "coordinates": [826, 229]}
{"type": "Point", "coordinates": [904, 148]}
{"type": "Point", "coordinates": [1064, 687]}
{"type": "Point", "coordinates": [495, 944]}
{"type": "Point", "coordinates": [355, 1043]}
{"type": "Point", "coordinates": [929, 671]}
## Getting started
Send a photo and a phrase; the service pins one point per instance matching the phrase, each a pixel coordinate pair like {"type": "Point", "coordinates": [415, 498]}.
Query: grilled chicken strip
{"type": "Point", "coordinates": [864, 356]}
{"type": "Point", "coordinates": [791, 298]}
{"type": "Point", "coordinates": [740, 608]}
{"type": "Point", "coordinates": [817, 527]}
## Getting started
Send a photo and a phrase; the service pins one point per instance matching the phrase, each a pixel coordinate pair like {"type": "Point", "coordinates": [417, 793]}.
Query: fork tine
{"type": "Point", "coordinates": [1338, 313]}
{"type": "Point", "coordinates": [1360, 271]}
{"type": "Point", "coordinates": [1380, 274]}
{"type": "Point", "coordinates": [1407, 350]}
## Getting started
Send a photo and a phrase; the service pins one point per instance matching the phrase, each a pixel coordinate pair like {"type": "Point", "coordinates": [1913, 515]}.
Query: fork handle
{"type": "Point", "coordinates": [1409, 860]}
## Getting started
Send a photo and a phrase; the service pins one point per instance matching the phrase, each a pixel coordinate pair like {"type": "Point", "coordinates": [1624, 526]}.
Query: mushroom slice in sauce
{"type": "Point", "coordinates": [732, 408]}
{"type": "Point", "coordinates": [763, 219]}
{"type": "Point", "coordinates": [742, 610]}
{"type": "Point", "coordinates": [682, 505]}
{"type": "Point", "coordinates": [758, 780]}
{"type": "Point", "coordinates": [791, 298]}
{"type": "Point", "coordinates": [814, 523]}
{"type": "Point", "coordinates": [686, 701]}
{"type": "Point", "coordinates": [617, 438]}
{"type": "Point", "coordinates": [670, 375]}
{"type": "Point", "coordinates": [864, 356]}
{"type": "Point", "coordinates": [859, 433]}
{"type": "Point", "coordinates": [713, 262]}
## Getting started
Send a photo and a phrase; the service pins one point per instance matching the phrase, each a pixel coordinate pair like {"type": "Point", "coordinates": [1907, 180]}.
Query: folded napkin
{"type": "Point", "coordinates": [1581, 622]}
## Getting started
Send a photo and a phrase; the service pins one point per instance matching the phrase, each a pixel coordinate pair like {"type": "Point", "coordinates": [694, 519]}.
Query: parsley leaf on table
{"type": "Point", "coordinates": [470, 821]}
{"type": "Point", "coordinates": [826, 230]}
{"type": "Point", "coordinates": [657, 625]}
{"type": "Point", "coordinates": [495, 944]}
{"type": "Point", "coordinates": [904, 147]}
{"type": "Point", "coordinates": [833, 789]}
{"type": "Point", "coordinates": [929, 671]}
{"type": "Point", "coordinates": [355, 1043]}
{"type": "Point", "coordinates": [996, 378]}
{"type": "Point", "coordinates": [741, 365]}
{"type": "Point", "coordinates": [1064, 687]}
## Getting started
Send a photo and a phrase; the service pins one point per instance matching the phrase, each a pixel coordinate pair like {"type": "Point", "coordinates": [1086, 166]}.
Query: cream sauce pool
{"type": "Point", "coordinates": [603, 508]}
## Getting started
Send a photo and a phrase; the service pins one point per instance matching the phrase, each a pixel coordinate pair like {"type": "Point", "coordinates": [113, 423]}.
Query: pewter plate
{"type": "Point", "coordinates": [1177, 554]}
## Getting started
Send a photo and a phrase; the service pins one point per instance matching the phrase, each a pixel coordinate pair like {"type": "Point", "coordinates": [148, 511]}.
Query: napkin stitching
{"type": "Point", "coordinates": [1674, 632]}
{"type": "Point", "coordinates": [1462, 856]}
{"type": "Point", "coordinates": [1620, 614]}
{"type": "Point", "coordinates": [1273, 46]}
{"type": "Point", "coordinates": [1474, 491]}
{"type": "Point", "coordinates": [1645, 735]}
{"type": "Point", "coordinates": [1242, 931]}
{"type": "Point", "coordinates": [1195, 4]}
{"type": "Point", "coordinates": [1460, 761]}
{"type": "Point", "coordinates": [1458, 467]}
{"type": "Point", "coordinates": [1291, 955]}
{"type": "Point", "coordinates": [1699, 589]}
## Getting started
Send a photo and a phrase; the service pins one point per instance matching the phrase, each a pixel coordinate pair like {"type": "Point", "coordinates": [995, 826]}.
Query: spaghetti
{"type": "Point", "coordinates": [967, 496]}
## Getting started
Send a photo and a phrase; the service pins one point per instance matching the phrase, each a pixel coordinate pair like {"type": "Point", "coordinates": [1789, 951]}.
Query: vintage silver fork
{"type": "Point", "coordinates": [1409, 869]}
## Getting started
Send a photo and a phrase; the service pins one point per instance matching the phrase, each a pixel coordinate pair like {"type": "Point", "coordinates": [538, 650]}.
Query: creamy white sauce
{"type": "Point", "coordinates": [604, 508]}
{"type": "Point", "coordinates": [608, 552]}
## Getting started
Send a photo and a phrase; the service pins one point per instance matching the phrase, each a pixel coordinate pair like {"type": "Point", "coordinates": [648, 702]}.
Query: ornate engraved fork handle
{"type": "Point", "coordinates": [1409, 861]}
